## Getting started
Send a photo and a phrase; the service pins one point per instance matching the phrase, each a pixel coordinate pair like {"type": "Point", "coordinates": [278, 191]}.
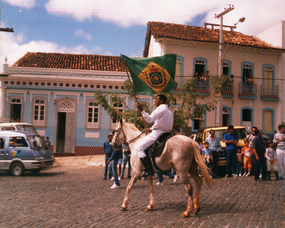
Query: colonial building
{"type": "Point", "coordinates": [248, 104]}
{"type": "Point", "coordinates": [55, 92]}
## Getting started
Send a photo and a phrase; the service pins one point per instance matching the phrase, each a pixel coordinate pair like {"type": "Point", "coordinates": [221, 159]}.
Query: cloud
{"type": "Point", "coordinates": [22, 3]}
{"type": "Point", "coordinates": [82, 34]}
{"type": "Point", "coordinates": [13, 47]}
{"type": "Point", "coordinates": [259, 14]}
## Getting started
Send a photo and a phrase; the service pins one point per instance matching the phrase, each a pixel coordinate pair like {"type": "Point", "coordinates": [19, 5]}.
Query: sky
{"type": "Point", "coordinates": [114, 27]}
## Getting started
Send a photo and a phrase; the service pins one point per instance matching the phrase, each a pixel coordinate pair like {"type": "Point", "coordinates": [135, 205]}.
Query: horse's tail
{"type": "Point", "coordinates": [204, 169]}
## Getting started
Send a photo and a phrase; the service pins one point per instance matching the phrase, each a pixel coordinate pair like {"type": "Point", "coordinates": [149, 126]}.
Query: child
{"type": "Point", "coordinates": [199, 141]}
{"type": "Point", "coordinates": [271, 160]}
{"type": "Point", "coordinates": [247, 160]}
{"type": "Point", "coordinates": [208, 156]}
{"type": "Point", "coordinates": [239, 163]}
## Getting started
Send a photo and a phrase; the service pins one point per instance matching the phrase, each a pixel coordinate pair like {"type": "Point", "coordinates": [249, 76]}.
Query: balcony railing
{"type": "Point", "coordinates": [247, 90]}
{"type": "Point", "coordinates": [202, 86]}
{"type": "Point", "coordinates": [229, 89]}
{"type": "Point", "coordinates": [269, 92]}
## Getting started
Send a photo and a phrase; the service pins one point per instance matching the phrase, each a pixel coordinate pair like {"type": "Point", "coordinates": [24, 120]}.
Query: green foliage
{"type": "Point", "coordinates": [188, 99]}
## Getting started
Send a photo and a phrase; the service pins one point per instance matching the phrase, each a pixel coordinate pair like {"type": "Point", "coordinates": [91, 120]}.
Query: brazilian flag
{"type": "Point", "coordinates": [152, 75]}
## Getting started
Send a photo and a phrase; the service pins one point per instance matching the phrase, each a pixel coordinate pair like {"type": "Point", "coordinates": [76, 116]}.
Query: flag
{"type": "Point", "coordinates": [152, 75]}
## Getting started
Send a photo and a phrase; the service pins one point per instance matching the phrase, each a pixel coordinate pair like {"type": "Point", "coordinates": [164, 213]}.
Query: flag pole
{"type": "Point", "coordinates": [146, 130]}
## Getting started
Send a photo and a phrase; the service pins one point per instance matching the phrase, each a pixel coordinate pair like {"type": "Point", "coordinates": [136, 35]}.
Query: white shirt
{"type": "Point", "coordinates": [162, 118]}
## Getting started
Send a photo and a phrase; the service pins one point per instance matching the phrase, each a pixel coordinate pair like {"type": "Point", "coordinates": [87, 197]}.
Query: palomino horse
{"type": "Point", "coordinates": [180, 152]}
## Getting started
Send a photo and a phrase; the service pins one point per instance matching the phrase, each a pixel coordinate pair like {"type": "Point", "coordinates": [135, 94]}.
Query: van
{"type": "Point", "coordinates": [239, 131]}
{"type": "Point", "coordinates": [17, 126]}
{"type": "Point", "coordinates": [24, 151]}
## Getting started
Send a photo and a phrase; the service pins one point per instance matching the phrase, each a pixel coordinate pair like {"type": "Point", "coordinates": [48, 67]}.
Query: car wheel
{"type": "Point", "coordinates": [35, 172]}
{"type": "Point", "coordinates": [17, 169]}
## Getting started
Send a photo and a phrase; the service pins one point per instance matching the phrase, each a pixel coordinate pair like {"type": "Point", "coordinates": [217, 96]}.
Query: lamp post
{"type": "Point", "coordinates": [219, 117]}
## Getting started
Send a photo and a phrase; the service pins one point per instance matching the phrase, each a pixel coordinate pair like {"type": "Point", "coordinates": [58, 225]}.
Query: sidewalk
{"type": "Point", "coordinates": [97, 160]}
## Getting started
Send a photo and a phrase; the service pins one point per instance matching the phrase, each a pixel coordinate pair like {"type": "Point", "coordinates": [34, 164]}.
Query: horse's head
{"type": "Point", "coordinates": [119, 136]}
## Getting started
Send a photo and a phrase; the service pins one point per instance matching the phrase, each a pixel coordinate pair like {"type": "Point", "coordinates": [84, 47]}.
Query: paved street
{"type": "Point", "coordinates": [73, 194]}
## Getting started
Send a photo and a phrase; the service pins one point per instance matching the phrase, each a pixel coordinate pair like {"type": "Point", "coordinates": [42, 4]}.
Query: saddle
{"type": "Point", "coordinates": [155, 150]}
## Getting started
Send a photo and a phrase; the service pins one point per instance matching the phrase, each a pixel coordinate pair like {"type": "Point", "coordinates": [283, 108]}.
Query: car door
{"type": "Point", "coordinates": [2, 152]}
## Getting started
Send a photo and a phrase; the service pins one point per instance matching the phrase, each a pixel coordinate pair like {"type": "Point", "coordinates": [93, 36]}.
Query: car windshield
{"type": "Point", "coordinates": [36, 142]}
{"type": "Point", "coordinates": [240, 133]}
{"type": "Point", "coordinates": [28, 128]}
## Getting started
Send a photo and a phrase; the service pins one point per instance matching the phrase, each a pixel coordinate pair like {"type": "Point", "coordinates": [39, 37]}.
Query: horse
{"type": "Point", "coordinates": [180, 152]}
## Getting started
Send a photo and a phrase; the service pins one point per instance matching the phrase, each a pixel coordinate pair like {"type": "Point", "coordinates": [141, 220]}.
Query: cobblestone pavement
{"type": "Point", "coordinates": [69, 195]}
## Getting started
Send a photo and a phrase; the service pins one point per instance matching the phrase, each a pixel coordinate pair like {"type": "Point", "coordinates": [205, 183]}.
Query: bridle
{"type": "Point", "coordinates": [131, 140]}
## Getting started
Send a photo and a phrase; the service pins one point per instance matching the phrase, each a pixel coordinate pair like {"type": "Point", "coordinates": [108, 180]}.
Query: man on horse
{"type": "Point", "coordinates": [163, 122]}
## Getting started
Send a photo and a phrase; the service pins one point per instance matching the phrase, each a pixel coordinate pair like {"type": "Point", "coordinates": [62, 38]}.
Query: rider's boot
{"type": "Point", "coordinates": [148, 166]}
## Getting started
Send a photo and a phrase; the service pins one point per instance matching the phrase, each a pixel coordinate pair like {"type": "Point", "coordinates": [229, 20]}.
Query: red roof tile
{"type": "Point", "coordinates": [196, 33]}
{"type": "Point", "coordinates": [71, 61]}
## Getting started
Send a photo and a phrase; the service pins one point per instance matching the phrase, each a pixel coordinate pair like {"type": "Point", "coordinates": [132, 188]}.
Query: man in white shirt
{"type": "Point", "coordinates": [163, 122]}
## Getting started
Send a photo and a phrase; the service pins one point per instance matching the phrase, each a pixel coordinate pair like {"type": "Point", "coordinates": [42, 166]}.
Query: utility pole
{"type": "Point", "coordinates": [219, 117]}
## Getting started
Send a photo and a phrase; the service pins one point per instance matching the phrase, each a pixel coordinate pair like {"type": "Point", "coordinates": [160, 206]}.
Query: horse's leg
{"type": "Point", "coordinates": [186, 180]}
{"type": "Point", "coordinates": [135, 177]}
{"type": "Point", "coordinates": [198, 181]}
{"type": "Point", "coordinates": [150, 191]}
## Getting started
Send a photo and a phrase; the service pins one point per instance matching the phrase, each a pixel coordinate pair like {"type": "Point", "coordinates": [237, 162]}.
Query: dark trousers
{"type": "Point", "coordinates": [260, 164]}
{"type": "Point", "coordinates": [231, 162]}
{"type": "Point", "coordinates": [215, 163]}
{"type": "Point", "coordinates": [106, 167]}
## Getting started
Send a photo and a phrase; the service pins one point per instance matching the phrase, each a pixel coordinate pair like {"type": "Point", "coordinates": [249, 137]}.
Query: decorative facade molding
{"type": "Point", "coordinates": [8, 91]}
{"type": "Point", "coordinates": [39, 93]}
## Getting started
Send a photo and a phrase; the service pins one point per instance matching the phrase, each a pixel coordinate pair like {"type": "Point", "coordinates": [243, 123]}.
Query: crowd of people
{"type": "Point", "coordinates": [256, 156]}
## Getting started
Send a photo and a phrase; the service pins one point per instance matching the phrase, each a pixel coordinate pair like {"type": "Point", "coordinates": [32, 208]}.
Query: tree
{"type": "Point", "coordinates": [187, 98]}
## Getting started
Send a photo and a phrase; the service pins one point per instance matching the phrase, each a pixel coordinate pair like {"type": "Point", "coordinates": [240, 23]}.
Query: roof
{"type": "Point", "coordinates": [71, 61]}
{"type": "Point", "coordinates": [200, 34]}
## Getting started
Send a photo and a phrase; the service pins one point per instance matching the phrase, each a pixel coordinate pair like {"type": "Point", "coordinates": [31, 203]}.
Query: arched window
{"type": "Point", "coordinates": [200, 66]}
{"type": "Point", "coordinates": [199, 121]}
{"type": "Point", "coordinates": [247, 69]}
{"type": "Point", "coordinates": [93, 115]}
{"type": "Point", "coordinates": [39, 112]}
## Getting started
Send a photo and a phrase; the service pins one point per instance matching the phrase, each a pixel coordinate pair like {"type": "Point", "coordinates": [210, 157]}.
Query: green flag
{"type": "Point", "coordinates": [152, 75]}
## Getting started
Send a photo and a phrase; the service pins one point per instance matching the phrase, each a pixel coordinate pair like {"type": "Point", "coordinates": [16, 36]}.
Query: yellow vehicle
{"type": "Point", "coordinates": [240, 131]}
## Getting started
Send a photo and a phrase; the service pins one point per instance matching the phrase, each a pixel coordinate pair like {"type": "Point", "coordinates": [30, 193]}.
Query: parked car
{"type": "Point", "coordinates": [23, 151]}
{"type": "Point", "coordinates": [240, 131]}
{"type": "Point", "coordinates": [17, 126]}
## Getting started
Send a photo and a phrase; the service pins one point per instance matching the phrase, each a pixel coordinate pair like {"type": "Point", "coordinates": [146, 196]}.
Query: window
{"type": "Point", "coordinates": [198, 122]}
{"type": "Point", "coordinates": [268, 120]}
{"type": "Point", "coordinates": [120, 108]}
{"type": "Point", "coordinates": [17, 142]}
{"type": "Point", "coordinates": [247, 69]}
{"type": "Point", "coordinates": [268, 77]}
{"type": "Point", "coordinates": [2, 143]}
{"type": "Point", "coordinates": [227, 67]}
{"type": "Point", "coordinates": [226, 116]}
{"type": "Point", "coordinates": [39, 112]}
{"type": "Point", "coordinates": [200, 66]}
{"type": "Point", "coordinates": [93, 115]}
{"type": "Point", "coordinates": [16, 109]}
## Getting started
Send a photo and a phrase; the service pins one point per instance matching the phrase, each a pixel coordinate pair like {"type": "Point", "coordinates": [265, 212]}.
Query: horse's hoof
{"type": "Point", "coordinates": [124, 208]}
{"type": "Point", "coordinates": [149, 208]}
{"type": "Point", "coordinates": [197, 209]}
{"type": "Point", "coordinates": [185, 214]}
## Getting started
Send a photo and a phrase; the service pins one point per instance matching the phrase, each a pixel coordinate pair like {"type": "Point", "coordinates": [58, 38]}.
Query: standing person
{"type": "Point", "coordinates": [200, 144]}
{"type": "Point", "coordinates": [271, 160]}
{"type": "Point", "coordinates": [114, 158]}
{"type": "Point", "coordinates": [215, 146]}
{"type": "Point", "coordinates": [126, 159]}
{"type": "Point", "coordinates": [247, 158]}
{"type": "Point", "coordinates": [279, 141]}
{"type": "Point", "coordinates": [108, 150]}
{"type": "Point", "coordinates": [259, 152]}
{"type": "Point", "coordinates": [250, 138]}
{"type": "Point", "coordinates": [163, 122]}
{"type": "Point", "coordinates": [47, 141]}
{"type": "Point", "coordinates": [231, 141]}
{"type": "Point", "coordinates": [208, 157]}
{"type": "Point", "coordinates": [206, 77]}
